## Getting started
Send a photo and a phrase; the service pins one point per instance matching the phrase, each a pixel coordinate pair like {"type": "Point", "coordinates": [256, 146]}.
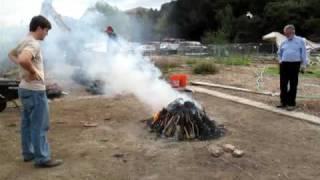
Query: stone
{"type": "Point", "coordinates": [229, 148]}
{"type": "Point", "coordinates": [215, 151]}
{"type": "Point", "coordinates": [88, 125]}
{"type": "Point", "coordinates": [237, 153]}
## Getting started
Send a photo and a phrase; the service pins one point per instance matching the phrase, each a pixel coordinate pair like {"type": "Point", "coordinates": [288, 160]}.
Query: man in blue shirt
{"type": "Point", "coordinates": [292, 58]}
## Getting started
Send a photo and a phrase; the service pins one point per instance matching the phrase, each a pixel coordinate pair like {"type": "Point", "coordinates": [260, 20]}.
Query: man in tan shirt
{"type": "Point", "coordinates": [32, 93]}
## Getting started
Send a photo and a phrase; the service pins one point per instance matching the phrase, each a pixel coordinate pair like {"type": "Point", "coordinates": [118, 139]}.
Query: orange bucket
{"type": "Point", "coordinates": [179, 80]}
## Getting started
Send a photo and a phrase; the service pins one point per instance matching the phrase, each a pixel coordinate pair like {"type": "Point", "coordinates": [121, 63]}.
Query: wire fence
{"type": "Point", "coordinates": [254, 51]}
{"type": "Point", "coordinates": [215, 50]}
{"type": "Point", "coordinates": [249, 49]}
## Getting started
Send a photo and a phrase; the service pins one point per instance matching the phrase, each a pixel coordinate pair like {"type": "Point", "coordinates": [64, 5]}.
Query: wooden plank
{"type": "Point", "coordinates": [198, 83]}
{"type": "Point", "coordinates": [297, 115]}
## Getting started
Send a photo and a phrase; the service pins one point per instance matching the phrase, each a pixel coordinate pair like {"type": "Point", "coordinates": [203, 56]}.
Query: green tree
{"type": "Point", "coordinates": [218, 37]}
{"type": "Point", "coordinates": [211, 20]}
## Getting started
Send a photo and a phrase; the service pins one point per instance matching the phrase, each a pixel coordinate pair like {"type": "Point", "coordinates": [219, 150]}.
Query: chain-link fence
{"type": "Point", "coordinates": [253, 50]}
{"type": "Point", "coordinates": [250, 49]}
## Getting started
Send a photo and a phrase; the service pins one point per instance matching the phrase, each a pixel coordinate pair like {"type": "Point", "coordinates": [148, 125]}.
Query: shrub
{"type": "Point", "coordinates": [205, 68]}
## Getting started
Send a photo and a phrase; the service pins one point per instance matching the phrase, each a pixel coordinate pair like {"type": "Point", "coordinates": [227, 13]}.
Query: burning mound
{"type": "Point", "coordinates": [185, 121]}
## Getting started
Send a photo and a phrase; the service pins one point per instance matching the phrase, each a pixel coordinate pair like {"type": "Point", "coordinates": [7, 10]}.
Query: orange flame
{"type": "Point", "coordinates": [156, 116]}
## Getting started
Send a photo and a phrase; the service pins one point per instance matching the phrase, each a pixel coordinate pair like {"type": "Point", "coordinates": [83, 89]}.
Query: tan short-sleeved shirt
{"type": "Point", "coordinates": [33, 46]}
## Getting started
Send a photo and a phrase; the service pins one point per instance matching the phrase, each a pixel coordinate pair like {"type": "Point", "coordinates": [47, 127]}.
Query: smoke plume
{"type": "Point", "coordinates": [118, 63]}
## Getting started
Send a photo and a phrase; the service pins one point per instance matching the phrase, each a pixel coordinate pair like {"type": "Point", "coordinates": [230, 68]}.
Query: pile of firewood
{"type": "Point", "coordinates": [185, 121]}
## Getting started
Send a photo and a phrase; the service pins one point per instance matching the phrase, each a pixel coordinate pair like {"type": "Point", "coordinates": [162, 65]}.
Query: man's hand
{"type": "Point", "coordinates": [32, 77]}
{"type": "Point", "coordinates": [279, 66]}
{"type": "Point", "coordinates": [302, 69]}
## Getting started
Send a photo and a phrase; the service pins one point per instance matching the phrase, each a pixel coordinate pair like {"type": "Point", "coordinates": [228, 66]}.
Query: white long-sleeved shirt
{"type": "Point", "coordinates": [293, 50]}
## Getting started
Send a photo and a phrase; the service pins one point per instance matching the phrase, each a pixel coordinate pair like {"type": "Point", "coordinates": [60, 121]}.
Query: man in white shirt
{"type": "Point", "coordinates": [32, 93]}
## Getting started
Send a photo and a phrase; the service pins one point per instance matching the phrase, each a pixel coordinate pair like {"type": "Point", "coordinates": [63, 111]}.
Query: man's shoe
{"type": "Point", "coordinates": [281, 106]}
{"type": "Point", "coordinates": [28, 160]}
{"type": "Point", "coordinates": [291, 108]}
{"type": "Point", "coordinates": [49, 164]}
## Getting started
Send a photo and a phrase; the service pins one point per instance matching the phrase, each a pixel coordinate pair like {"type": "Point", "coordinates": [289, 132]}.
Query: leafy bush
{"type": "Point", "coordinates": [205, 68]}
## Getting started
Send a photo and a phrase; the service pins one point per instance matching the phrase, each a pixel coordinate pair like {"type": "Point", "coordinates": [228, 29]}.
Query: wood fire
{"type": "Point", "coordinates": [185, 121]}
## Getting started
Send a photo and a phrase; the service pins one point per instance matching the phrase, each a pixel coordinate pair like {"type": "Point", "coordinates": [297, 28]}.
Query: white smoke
{"type": "Point", "coordinates": [130, 73]}
{"type": "Point", "coordinates": [9, 37]}
{"type": "Point", "coordinates": [123, 69]}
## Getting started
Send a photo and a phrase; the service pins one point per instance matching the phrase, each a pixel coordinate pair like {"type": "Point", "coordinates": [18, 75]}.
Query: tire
{"type": "Point", "coordinates": [3, 104]}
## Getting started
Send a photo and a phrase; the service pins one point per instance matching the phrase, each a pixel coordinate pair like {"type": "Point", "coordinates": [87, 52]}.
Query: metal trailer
{"type": "Point", "coordinates": [8, 92]}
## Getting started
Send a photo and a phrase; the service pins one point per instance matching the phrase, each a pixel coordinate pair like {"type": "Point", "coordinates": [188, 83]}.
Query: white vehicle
{"type": "Point", "coordinates": [192, 48]}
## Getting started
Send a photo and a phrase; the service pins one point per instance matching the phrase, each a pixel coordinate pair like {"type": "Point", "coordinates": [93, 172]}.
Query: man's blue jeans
{"type": "Point", "coordinates": [34, 125]}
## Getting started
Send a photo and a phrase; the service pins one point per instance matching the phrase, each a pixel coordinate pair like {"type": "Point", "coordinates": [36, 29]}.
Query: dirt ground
{"type": "Point", "coordinates": [120, 147]}
{"type": "Point", "coordinates": [308, 95]}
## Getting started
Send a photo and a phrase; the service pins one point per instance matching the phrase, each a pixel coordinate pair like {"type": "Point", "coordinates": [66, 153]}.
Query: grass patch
{"type": "Point", "coordinates": [191, 62]}
{"type": "Point", "coordinates": [205, 68]}
{"type": "Point", "coordinates": [313, 71]}
{"type": "Point", "coordinates": [235, 60]}
{"type": "Point", "coordinates": [167, 66]}
{"type": "Point", "coordinates": [273, 71]}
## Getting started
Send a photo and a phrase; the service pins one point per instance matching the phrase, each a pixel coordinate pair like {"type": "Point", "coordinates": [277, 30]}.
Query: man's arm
{"type": "Point", "coordinates": [13, 56]}
{"type": "Point", "coordinates": [304, 57]}
{"type": "Point", "coordinates": [24, 59]}
{"type": "Point", "coordinates": [280, 51]}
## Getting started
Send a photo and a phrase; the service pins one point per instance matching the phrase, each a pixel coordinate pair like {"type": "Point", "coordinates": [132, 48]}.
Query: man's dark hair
{"type": "Point", "coordinates": [37, 21]}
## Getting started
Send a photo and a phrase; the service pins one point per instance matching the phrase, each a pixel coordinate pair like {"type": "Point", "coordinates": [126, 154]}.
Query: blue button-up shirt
{"type": "Point", "coordinates": [293, 50]}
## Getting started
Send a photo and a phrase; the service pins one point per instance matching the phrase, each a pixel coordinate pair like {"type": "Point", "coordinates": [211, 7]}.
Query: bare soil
{"type": "Point", "coordinates": [249, 77]}
{"type": "Point", "coordinates": [308, 96]}
{"type": "Point", "coordinates": [120, 147]}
